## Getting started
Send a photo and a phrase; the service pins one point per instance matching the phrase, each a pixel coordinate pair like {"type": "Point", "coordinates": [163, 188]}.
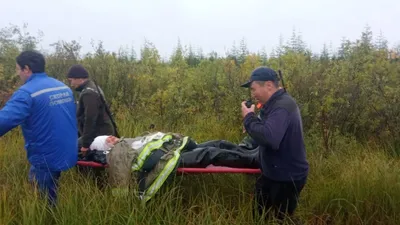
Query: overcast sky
{"type": "Point", "coordinates": [209, 24]}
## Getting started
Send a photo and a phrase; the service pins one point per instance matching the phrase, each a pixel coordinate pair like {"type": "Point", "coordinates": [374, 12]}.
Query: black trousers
{"type": "Point", "coordinates": [277, 198]}
{"type": "Point", "coordinates": [219, 153]}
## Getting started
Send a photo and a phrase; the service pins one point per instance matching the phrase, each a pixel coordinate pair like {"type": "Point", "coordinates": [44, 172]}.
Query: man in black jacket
{"type": "Point", "coordinates": [279, 132]}
{"type": "Point", "coordinates": [93, 119]}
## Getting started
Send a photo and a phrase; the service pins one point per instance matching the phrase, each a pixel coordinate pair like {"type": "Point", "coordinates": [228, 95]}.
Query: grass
{"type": "Point", "coordinates": [354, 185]}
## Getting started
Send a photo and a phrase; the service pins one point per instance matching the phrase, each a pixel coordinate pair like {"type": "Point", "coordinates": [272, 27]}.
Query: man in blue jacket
{"type": "Point", "coordinates": [279, 132]}
{"type": "Point", "coordinates": [45, 109]}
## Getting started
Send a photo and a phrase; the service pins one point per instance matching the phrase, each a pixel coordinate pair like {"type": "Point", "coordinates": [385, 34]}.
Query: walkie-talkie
{"type": "Point", "coordinates": [249, 102]}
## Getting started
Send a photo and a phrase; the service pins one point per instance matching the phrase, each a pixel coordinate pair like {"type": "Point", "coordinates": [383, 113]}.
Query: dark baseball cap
{"type": "Point", "coordinates": [261, 74]}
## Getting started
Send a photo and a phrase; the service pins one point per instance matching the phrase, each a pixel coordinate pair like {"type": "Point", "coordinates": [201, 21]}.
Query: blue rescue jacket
{"type": "Point", "coordinates": [45, 109]}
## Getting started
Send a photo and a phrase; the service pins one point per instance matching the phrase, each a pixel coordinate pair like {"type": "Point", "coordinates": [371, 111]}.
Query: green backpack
{"type": "Point", "coordinates": [152, 164]}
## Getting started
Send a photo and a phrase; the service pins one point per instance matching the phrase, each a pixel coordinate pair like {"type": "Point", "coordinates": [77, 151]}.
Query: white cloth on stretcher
{"type": "Point", "coordinates": [100, 143]}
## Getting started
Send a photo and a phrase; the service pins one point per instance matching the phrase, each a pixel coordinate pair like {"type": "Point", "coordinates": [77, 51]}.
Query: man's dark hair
{"type": "Point", "coordinates": [33, 59]}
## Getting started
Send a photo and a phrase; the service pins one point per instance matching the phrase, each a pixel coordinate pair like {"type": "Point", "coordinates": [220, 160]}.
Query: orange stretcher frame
{"type": "Point", "coordinates": [208, 169]}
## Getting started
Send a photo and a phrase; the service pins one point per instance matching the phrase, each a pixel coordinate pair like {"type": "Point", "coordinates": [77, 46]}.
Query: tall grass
{"type": "Point", "coordinates": [354, 185]}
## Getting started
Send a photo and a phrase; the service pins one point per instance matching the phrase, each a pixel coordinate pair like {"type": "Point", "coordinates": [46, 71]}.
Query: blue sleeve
{"type": "Point", "coordinates": [16, 110]}
{"type": "Point", "coordinates": [268, 132]}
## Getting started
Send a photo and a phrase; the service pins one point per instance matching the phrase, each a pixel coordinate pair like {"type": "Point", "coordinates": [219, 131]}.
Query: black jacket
{"type": "Point", "coordinates": [92, 117]}
{"type": "Point", "coordinates": [279, 133]}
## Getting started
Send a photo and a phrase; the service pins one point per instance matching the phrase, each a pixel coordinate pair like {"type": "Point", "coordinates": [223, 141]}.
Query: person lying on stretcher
{"type": "Point", "coordinates": [215, 152]}
{"type": "Point", "coordinates": [154, 157]}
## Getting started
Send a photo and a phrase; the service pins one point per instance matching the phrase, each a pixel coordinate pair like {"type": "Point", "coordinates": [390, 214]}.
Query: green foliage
{"type": "Point", "coordinates": [350, 107]}
{"type": "Point", "coordinates": [350, 93]}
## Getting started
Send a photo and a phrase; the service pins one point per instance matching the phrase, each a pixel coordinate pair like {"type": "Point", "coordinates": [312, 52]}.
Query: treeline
{"type": "Point", "coordinates": [351, 93]}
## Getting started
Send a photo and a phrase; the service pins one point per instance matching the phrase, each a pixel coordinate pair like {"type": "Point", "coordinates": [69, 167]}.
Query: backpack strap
{"type": "Point", "coordinates": [170, 162]}
{"type": "Point", "coordinates": [148, 165]}
{"type": "Point", "coordinates": [87, 89]}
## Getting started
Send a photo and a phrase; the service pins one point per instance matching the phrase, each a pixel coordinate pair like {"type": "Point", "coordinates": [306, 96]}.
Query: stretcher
{"type": "Point", "coordinates": [208, 169]}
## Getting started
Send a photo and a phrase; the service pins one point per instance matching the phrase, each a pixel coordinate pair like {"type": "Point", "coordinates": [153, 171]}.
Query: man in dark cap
{"type": "Point", "coordinates": [279, 132]}
{"type": "Point", "coordinates": [92, 116]}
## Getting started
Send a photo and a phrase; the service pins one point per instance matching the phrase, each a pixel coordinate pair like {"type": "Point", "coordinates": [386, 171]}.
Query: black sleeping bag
{"type": "Point", "coordinates": [220, 153]}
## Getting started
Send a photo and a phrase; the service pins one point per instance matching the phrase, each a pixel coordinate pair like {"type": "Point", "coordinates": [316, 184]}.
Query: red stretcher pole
{"type": "Point", "coordinates": [209, 169]}
{"type": "Point", "coordinates": [91, 164]}
{"type": "Point", "coordinates": [218, 169]}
